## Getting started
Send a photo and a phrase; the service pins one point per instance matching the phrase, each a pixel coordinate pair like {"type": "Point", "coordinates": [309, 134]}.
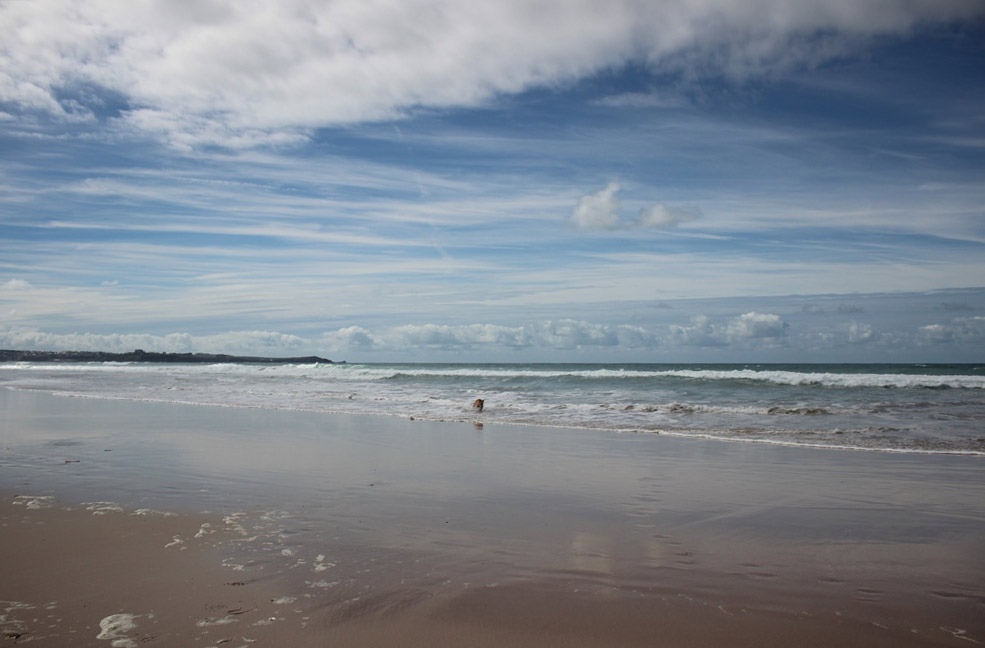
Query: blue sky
{"type": "Point", "coordinates": [423, 180]}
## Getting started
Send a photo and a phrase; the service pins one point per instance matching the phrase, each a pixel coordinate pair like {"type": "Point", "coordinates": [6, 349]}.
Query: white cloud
{"type": "Point", "coordinates": [962, 329]}
{"type": "Point", "coordinates": [757, 325]}
{"type": "Point", "coordinates": [727, 335]}
{"type": "Point", "coordinates": [644, 100]}
{"type": "Point", "coordinates": [15, 284]}
{"type": "Point", "coordinates": [573, 334]}
{"type": "Point", "coordinates": [31, 338]}
{"type": "Point", "coordinates": [859, 333]}
{"type": "Point", "coordinates": [350, 337]}
{"type": "Point", "coordinates": [664, 217]}
{"type": "Point", "coordinates": [459, 336]}
{"type": "Point", "coordinates": [232, 342]}
{"type": "Point", "coordinates": [599, 210]}
{"type": "Point", "coordinates": [746, 328]}
{"type": "Point", "coordinates": [242, 74]}
{"type": "Point", "coordinates": [565, 334]}
{"type": "Point", "coordinates": [701, 332]}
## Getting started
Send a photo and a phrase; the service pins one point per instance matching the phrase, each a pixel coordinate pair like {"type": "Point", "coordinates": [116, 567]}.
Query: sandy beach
{"type": "Point", "coordinates": [135, 523]}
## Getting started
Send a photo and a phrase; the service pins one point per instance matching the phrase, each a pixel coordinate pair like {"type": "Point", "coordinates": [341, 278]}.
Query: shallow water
{"type": "Point", "coordinates": [910, 408]}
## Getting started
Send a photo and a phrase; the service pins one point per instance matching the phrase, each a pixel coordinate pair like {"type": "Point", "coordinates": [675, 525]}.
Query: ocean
{"type": "Point", "coordinates": [890, 408]}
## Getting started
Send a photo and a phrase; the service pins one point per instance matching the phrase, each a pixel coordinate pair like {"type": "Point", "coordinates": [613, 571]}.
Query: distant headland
{"type": "Point", "coordinates": [139, 355]}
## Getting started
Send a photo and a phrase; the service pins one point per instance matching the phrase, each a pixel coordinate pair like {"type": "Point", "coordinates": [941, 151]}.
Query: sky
{"type": "Point", "coordinates": [520, 180]}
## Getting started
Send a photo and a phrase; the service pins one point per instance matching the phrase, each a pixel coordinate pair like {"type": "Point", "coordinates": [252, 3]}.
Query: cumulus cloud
{"type": "Point", "coordinates": [546, 335]}
{"type": "Point", "coordinates": [350, 337]}
{"type": "Point", "coordinates": [752, 326]}
{"type": "Point", "coordinates": [460, 336]}
{"type": "Point", "coordinates": [598, 210]}
{"type": "Point", "coordinates": [601, 211]}
{"type": "Point", "coordinates": [32, 338]}
{"type": "Point", "coordinates": [700, 332]}
{"type": "Point", "coordinates": [562, 334]}
{"type": "Point", "coordinates": [573, 334]}
{"type": "Point", "coordinates": [15, 284]}
{"type": "Point", "coordinates": [859, 333]}
{"type": "Point", "coordinates": [962, 329]}
{"type": "Point", "coordinates": [242, 74]}
{"type": "Point", "coordinates": [757, 325]}
{"type": "Point", "coordinates": [664, 217]}
{"type": "Point", "coordinates": [233, 342]}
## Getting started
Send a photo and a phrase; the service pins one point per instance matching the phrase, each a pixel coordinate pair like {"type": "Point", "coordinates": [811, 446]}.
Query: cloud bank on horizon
{"type": "Point", "coordinates": [511, 179]}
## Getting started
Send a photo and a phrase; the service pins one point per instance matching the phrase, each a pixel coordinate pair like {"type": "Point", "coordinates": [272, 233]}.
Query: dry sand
{"type": "Point", "coordinates": [362, 532]}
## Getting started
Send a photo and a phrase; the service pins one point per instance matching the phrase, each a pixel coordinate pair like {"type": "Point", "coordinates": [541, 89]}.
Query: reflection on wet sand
{"type": "Point", "coordinates": [432, 529]}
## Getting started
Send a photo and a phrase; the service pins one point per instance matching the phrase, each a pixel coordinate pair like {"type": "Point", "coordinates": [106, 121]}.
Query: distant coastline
{"type": "Point", "coordinates": [139, 355]}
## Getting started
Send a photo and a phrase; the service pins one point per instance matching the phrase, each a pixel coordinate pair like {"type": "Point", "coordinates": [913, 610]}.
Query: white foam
{"type": "Point", "coordinates": [102, 508]}
{"type": "Point", "coordinates": [152, 512]}
{"type": "Point", "coordinates": [335, 373]}
{"type": "Point", "coordinates": [908, 381]}
{"type": "Point", "coordinates": [215, 621]}
{"type": "Point", "coordinates": [114, 629]}
{"type": "Point", "coordinates": [34, 502]}
{"type": "Point", "coordinates": [233, 521]}
{"type": "Point", "coordinates": [228, 563]}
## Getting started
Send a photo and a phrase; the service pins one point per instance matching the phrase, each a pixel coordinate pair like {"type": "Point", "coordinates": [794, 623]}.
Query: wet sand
{"type": "Point", "coordinates": [299, 529]}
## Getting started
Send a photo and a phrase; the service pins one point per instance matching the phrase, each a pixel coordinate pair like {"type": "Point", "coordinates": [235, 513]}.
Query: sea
{"type": "Point", "coordinates": [912, 408]}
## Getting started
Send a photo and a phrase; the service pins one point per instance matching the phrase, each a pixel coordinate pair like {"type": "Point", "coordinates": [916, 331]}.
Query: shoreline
{"type": "Point", "coordinates": [924, 413]}
{"type": "Point", "coordinates": [473, 419]}
{"type": "Point", "coordinates": [385, 530]}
